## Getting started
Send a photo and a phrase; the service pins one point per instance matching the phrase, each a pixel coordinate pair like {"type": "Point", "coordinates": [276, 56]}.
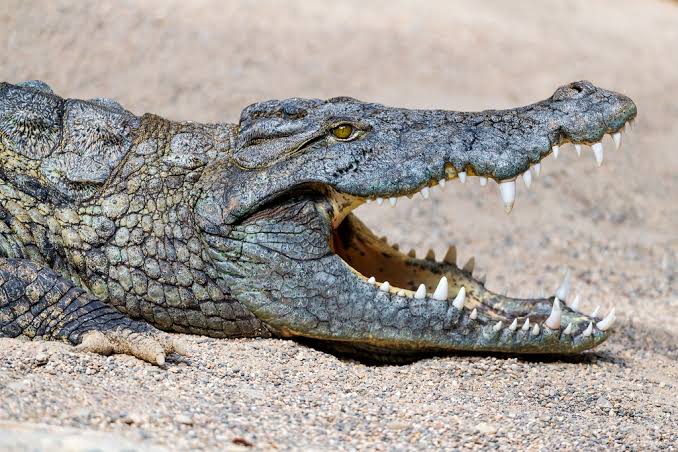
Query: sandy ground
{"type": "Point", "coordinates": [615, 227]}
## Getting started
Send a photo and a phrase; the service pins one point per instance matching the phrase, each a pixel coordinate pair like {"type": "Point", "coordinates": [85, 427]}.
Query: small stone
{"type": "Point", "coordinates": [41, 359]}
{"type": "Point", "coordinates": [603, 403]}
{"type": "Point", "coordinates": [183, 418]}
{"type": "Point", "coordinates": [486, 428]}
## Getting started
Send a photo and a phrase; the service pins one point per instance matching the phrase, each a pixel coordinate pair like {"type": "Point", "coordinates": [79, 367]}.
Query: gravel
{"type": "Point", "coordinates": [615, 227]}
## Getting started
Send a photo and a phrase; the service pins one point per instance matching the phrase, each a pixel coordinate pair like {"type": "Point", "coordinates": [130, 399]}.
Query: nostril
{"type": "Point", "coordinates": [577, 87]}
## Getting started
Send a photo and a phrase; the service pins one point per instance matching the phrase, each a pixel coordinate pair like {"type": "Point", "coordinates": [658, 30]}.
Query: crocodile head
{"type": "Point", "coordinates": [277, 219]}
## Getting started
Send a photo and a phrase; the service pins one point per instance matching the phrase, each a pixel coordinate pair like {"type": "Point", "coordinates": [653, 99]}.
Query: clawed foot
{"type": "Point", "coordinates": [148, 344]}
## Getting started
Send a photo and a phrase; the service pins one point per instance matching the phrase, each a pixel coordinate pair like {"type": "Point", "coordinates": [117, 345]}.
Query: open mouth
{"type": "Point", "coordinates": [402, 274]}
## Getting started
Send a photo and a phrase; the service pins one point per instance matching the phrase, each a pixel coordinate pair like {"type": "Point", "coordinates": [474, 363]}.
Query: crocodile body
{"type": "Point", "coordinates": [116, 229]}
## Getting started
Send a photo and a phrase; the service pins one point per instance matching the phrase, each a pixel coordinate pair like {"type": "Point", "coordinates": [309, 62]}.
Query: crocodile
{"type": "Point", "coordinates": [118, 230]}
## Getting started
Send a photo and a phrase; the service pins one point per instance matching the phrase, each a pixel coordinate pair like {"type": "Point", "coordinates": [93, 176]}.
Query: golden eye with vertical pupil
{"type": "Point", "coordinates": [343, 131]}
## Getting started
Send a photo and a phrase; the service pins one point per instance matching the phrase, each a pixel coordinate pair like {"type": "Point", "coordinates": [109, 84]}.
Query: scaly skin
{"type": "Point", "coordinates": [244, 230]}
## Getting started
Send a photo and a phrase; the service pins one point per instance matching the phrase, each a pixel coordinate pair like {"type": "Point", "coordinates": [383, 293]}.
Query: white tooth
{"type": "Point", "coordinates": [514, 325]}
{"type": "Point", "coordinates": [568, 330]}
{"type": "Point", "coordinates": [462, 177]}
{"type": "Point", "coordinates": [556, 149]}
{"type": "Point", "coordinates": [441, 182]}
{"type": "Point", "coordinates": [368, 201]}
{"type": "Point", "coordinates": [497, 326]}
{"type": "Point", "coordinates": [527, 178]}
{"type": "Point", "coordinates": [607, 322]}
{"type": "Point", "coordinates": [401, 293]}
{"type": "Point", "coordinates": [595, 312]}
{"type": "Point", "coordinates": [392, 201]}
{"type": "Point", "coordinates": [577, 147]}
{"type": "Point", "coordinates": [526, 325]}
{"type": "Point", "coordinates": [372, 280]}
{"type": "Point", "coordinates": [451, 255]}
{"type": "Point", "coordinates": [441, 290]}
{"type": "Point", "coordinates": [482, 279]}
{"type": "Point", "coordinates": [617, 138]}
{"type": "Point", "coordinates": [589, 329]}
{"type": "Point", "coordinates": [459, 299]}
{"type": "Point", "coordinates": [537, 169]}
{"type": "Point", "coordinates": [420, 294]}
{"type": "Point", "coordinates": [380, 201]}
{"type": "Point", "coordinates": [483, 181]}
{"type": "Point", "coordinates": [553, 322]}
{"type": "Point", "coordinates": [385, 286]}
{"type": "Point", "coordinates": [535, 330]}
{"type": "Point", "coordinates": [425, 192]}
{"type": "Point", "coordinates": [575, 303]}
{"type": "Point", "coordinates": [474, 314]}
{"type": "Point", "coordinates": [564, 289]}
{"type": "Point", "coordinates": [508, 194]}
{"type": "Point", "coordinates": [470, 265]}
{"type": "Point", "coordinates": [598, 152]}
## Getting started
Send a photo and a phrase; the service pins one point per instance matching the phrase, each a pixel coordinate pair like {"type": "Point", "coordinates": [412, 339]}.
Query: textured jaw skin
{"type": "Point", "coordinates": [286, 244]}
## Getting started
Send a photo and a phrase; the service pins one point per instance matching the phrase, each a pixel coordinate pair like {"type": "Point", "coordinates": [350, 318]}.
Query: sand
{"type": "Point", "coordinates": [615, 227]}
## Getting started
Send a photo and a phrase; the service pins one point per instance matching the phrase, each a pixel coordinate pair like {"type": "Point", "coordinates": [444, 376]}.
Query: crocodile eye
{"type": "Point", "coordinates": [343, 131]}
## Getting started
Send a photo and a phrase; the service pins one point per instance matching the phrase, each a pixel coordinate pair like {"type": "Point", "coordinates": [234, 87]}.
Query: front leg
{"type": "Point", "coordinates": [37, 302]}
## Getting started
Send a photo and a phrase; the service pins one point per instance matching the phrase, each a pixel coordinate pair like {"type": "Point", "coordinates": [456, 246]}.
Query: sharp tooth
{"type": "Point", "coordinates": [482, 279]}
{"type": "Point", "coordinates": [508, 194]}
{"type": "Point", "coordinates": [577, 147]}
{"type": "Point", "coordinates": [575, 303]}
{"type": "Point", "coordinates": [372, 280]}
{"type": "Point", "coordinates": [420, 294]}
{"type": "Point", "coordinates": [568, 330]}
{"type": "Point", "coordinates": [451, 255]}
{"type": "Point", "coordinates": [441, 290]}
{"type": "Point", "coordinates": [535, 330]}
{"type": "Point", "coordinates": [368, 201]}
{"type": "Point", "coordinates": [474, 314]}
{"type": "Point", "coordinates": [412, 253]}
{"type": "Point", "coordinates": [514, 325]}
{"type": "Point", "coordinates": [607, 322]}
{"type": "Point", "coordinates": [441, 182]}
{"type": "Point", "coordinates": [425, 192]}
{"type": "Point", "coordinates": [431, 255]}
{"type": "Point", "coordinates": [470, 265]}
{"type": "Point", "coordinates": [385, 286]}
{"type": "Point", "coordinates": [459, 299]}
{"type": "Point", "coordinates": [598, 152]}
{"type": "Point", "coordinates": [393, 201]}
{"type": "Point", "coordinates": [497, 326]}
{"type": "Point", "coordinates": [527, 178]}
{"type": "Point", "coordinates": [395, 246]}
{"type": "Point", "coordinates": [589, 329]}
{"type": "Point", "coordinates": [526, 325]}
{"type": "Point", "coordinates": [617, 138]}
{"type": "Point", "coordinates": [383, 238]}
{"type": "Point", "coordinates": [564, 289]}
{"type": "Point", "coordinates": [483, 181]}
{"type": "Point", "coordinates": [401, 293]}
{"type": "Point", "coordinates": [553, 322]}
{"type": "Point", "coordinates": [537, 169]}
{"type": "Point", "coordinates": [462, 177]}
{"type": "Point", "coordinates": [595, 312]}
{"type": "Point", "coordinates": [556, 149]}
{"type": "Point", "coordinates": [380, 201]}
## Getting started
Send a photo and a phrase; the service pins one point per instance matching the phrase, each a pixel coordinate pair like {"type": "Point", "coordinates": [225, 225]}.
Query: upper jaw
{"type": "Point", "coordinates": [492, 145]}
